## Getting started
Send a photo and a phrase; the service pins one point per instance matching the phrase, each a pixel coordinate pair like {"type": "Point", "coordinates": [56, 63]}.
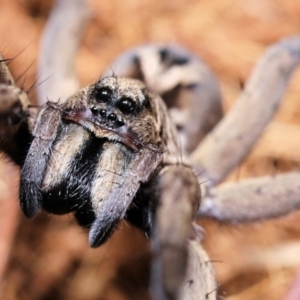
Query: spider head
{"type": "Point", "coordinates": [119, 109]}
{"type": "Point", "coordinates": [115, 101]}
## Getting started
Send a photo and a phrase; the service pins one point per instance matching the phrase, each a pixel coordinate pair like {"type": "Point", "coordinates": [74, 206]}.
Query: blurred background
{"type": "Point", "coordinates": [48, 257]}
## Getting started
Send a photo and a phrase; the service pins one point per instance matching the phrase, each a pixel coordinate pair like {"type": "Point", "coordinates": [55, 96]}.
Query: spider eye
{"type": "Point", "coordinates": [126, 105]}
{"type": "Point", "coordinates": [102, 95]}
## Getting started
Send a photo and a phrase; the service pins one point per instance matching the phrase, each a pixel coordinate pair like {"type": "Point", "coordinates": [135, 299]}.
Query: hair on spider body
{"type": "Point", "coordinates": [71, 191]}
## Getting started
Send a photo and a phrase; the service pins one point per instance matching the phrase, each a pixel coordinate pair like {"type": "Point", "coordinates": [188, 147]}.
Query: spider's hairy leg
{"type": "Point", "coordinates": [15, 124]}
{"type": "Point", "coordinates": [178, 199]}
{"type": "Point", "coordinates": [32, 174]}
{"type": "Point", "coordinates": [139, 170]}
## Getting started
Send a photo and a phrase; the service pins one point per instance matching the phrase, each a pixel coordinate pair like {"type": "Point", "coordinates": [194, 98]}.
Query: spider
{"type": "Point", "coordinates": [112, 151]}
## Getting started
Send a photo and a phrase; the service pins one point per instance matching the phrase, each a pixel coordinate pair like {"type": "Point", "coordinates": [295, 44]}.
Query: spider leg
{"type": "Point", "coordinates": [32, 174]}
{"type": "Point", "coordinates": [252, 199]}
{"type": "Point", "coordinates": [15, 124]}
{"type": "Point", "coordinates": [114, 208]}
{"type": "Point", "coordinates": [232, 139]}
{"type": "Point", "coordinates": [178, 198]}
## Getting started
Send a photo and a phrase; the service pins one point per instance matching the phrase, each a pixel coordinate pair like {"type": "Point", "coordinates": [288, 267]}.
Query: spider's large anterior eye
{"type": "Point", "coordinates": [126, 105]}
{"type": "Point", "coordinates": [102, 95]}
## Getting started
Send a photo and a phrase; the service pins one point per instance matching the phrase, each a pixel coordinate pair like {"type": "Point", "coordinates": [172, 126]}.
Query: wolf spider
{"type": "Point", "coordinates": [112, 151]}
{"type": "Point", "coordinates": [109, 152]}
